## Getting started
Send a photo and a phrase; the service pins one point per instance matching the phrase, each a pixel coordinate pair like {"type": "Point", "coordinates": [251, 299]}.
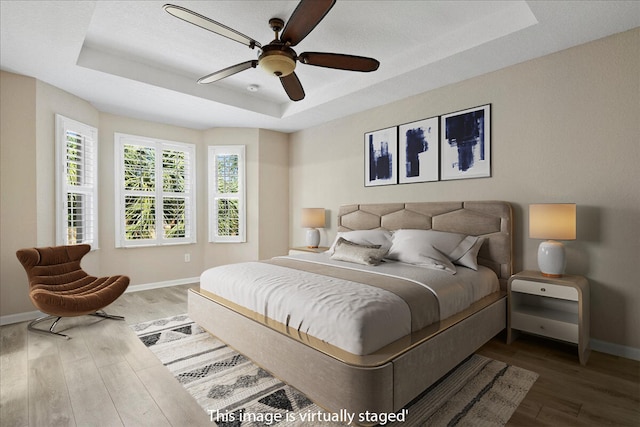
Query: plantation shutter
{"type": "Point", "coordinates": [76, 183]}
{"type": "Point", "coordinates": [227, 194]}
{"type": "Point", "coordinates": [156, 192]}
{"type": "Point", "coordinates": [177, 191]}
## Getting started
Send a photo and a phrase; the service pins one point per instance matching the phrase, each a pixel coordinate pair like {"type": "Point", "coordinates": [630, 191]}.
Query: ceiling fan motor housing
{"type": "Point", "coordinates": [277, 59]}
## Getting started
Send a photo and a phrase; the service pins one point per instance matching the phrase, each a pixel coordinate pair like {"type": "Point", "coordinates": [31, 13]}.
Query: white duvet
{"type": "Point", "coordinates": [355, 317]}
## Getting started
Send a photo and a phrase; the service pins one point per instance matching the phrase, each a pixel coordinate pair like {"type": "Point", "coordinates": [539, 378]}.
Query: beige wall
{"type": "Point", "coordinates": [18, 203]}
{"type": "Point", "coordinates": [273, 221]}
{"type": "Point", "coordinates": [565, 128]}
{"type": "Point", "coordinates": [27, 119]}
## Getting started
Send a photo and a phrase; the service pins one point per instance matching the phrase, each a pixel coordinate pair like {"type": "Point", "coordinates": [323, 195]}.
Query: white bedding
{"type": "Point", "coordinates": [353, 316]}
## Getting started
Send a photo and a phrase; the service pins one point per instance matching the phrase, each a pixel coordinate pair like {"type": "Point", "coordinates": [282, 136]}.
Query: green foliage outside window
{"type": "Point", "coordinates": [75, 201]}
{"type": "Point", "coordinates": [227, 207]}
{"type": "Point", "coordinates": [74, 158]}
{"type": "Point", "coordinates": [140, 176]}
{"type": "Point", "coordinates": [228, 217]}
{"type": "Point", "coordinates": [75, 225]}
{"type": "Point", "coordinates": [139, 168]}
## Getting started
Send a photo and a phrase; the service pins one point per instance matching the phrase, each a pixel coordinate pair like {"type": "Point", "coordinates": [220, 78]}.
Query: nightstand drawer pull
{"type": "Point", "coordinates": [543, 289]}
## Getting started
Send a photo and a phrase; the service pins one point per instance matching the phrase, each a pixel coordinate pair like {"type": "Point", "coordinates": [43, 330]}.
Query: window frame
{"type": "Point", "coordinates": [214, 195]}
{"type": "Point", "coordinates": [89, 186]}
{"type": "Point", "coordinates": [190, 195]}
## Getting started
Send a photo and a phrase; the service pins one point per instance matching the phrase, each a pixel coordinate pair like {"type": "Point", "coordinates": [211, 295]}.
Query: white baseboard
{"type": "Point", "coordinates": [165, 284]}
{"type": "Point", "coordinates": [31, 315]}
{"type": "Point", "coordinates": [615, 349]}
{"type": "Point", "coordinates": [20, 317]}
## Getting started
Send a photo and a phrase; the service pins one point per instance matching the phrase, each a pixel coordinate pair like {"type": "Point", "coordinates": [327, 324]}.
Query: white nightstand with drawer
{"type": "Point", "coordinates": [551, 307]}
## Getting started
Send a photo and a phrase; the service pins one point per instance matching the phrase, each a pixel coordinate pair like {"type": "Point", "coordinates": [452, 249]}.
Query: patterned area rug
{"type": "Point", "coordinates": [235, 392]}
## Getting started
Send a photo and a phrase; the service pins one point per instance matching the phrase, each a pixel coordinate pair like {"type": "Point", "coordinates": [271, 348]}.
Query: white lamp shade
{"type": "Point", "coordinates": [552, 221]}
{"type": "Point", "coordinates": [313, 217]}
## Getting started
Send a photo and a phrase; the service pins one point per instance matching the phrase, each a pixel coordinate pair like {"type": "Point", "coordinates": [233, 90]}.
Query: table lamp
{"type": "Point", "coordinates": [312, 219]}
{"type": "Point", "coordinates": [552, 221]}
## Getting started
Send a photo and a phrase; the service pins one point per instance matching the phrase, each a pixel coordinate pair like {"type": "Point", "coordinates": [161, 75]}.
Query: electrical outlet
{"type": "Point", "coordinates": [187, 257]}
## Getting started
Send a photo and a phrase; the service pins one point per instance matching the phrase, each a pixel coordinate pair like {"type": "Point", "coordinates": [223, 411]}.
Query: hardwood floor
{"type": "Point", "coordinates": [104, 376]}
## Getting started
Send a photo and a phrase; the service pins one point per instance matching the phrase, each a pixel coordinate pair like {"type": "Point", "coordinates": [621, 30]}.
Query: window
{"type": "Point", "coordinates": [227, 193]}
{"type": "Point", "coordinates": [155, 192]}
{"type": "Point", "coordinates": [76, 183]}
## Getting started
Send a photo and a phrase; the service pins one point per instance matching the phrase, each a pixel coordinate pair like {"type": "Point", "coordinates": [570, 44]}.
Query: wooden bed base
{"type": "Point", "coordinates": [390, 385]}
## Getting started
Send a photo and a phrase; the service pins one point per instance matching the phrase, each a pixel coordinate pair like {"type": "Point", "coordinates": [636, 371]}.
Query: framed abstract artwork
{"type": "Point", "coordinates": [380, 157]}
{"type": "Point", "coordinates": [465, 143]}
{"type": "Point", "coordinates": [418, 151]}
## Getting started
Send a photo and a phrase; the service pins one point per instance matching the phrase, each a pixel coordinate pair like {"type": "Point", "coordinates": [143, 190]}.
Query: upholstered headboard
{"type": "Point", "coordinates": [490, 219]}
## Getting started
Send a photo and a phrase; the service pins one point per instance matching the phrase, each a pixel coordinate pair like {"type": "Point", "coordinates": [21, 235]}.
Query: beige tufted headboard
{"type": "Point", "coordinates": [491, 219]}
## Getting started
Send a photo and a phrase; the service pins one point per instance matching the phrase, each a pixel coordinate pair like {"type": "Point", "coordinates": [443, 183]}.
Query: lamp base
{"type": "Point", "coordinates": [551, 258]}
{"type": "Point", "coordinates": [313, 238]}
{"type": "Point", "coordinates": [552, 276]}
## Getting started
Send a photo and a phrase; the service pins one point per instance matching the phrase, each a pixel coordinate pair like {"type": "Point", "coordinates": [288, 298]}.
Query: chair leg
{"type": "Point", "coordinates": [101, 313]}
{"type": "Point", "coordinates": [31, 325]}
{"type": "Point", "coordinates": [32, 328]}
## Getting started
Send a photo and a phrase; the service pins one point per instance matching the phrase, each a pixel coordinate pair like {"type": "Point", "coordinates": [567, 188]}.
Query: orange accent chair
{"type": "Point", "coordinates": [59, 287]}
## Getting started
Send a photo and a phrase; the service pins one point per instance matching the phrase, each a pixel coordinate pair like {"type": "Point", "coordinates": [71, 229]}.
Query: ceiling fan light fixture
{"type": "Point", "coordinates": [277, 62]}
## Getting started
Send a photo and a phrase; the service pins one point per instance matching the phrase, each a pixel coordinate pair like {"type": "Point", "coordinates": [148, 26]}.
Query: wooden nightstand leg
{"type": "Point", "coordinates": [583, 355]}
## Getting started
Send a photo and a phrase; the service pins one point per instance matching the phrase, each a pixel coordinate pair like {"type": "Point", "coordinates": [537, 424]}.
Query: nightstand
{"type": "Point", "coordinates": [555, 308]}
{"type": "Point", "coordinates": [304, 249]}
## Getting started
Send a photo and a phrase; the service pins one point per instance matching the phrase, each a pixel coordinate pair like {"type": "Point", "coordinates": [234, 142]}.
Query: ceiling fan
{"type": "Point", "coordinates": [278, 58]}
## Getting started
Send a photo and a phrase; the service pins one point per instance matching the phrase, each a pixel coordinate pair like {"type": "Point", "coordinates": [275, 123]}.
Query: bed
{"type": "Point", "coordinates": [385, 376]}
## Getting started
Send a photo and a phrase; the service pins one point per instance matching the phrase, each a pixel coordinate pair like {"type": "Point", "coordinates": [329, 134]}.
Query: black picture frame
{"type": "Point", "coordinates": [465, 144]}
{"type": "Point", "coordinates": [381, 157]}
{"type": "Point", "coordinates": [419, 151]}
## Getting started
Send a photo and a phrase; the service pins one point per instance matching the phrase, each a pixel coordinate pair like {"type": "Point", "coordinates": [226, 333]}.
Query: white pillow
{"type": "Point", "coordinates": [466, 253]}
{"type": "Point", "coordinates": [377, 236]}
{"type": "Point", "coordinates": [412, 247]}
{"type": "Point", "coordinates": [359, 254]}
{"type": "Point", "coordinates": [458, 248]}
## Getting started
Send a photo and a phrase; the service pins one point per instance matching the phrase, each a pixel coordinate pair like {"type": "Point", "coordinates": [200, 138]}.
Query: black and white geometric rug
{"type": "Point", "coordinates": [236, 392]}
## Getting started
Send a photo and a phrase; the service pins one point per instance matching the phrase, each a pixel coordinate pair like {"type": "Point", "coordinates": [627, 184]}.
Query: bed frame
{"type": "Point", "coordinates": [389, 379]}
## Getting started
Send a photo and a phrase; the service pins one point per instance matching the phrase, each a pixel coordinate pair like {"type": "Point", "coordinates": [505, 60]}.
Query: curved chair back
{"type": "Point", "coordinates": [53, 265]}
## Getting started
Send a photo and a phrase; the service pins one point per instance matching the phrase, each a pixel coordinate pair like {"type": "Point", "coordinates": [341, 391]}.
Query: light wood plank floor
{"type": "Point", "coordinates": [104, 376]}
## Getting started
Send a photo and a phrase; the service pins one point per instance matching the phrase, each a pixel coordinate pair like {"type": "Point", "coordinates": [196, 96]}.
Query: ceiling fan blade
{"type": "Point", "coordinates": [292, 86]}
{"type": "Point", "coordinates": [304, 19]}
{"type": "Point", "coordinates": [229, 71]}
{"type": "Point", "coordinates": [339, 61]}
{"type": "Point", "coordinates": [209, 24]}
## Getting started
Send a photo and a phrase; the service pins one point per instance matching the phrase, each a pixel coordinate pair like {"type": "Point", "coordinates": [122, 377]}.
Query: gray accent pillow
{"type": "Point", "coordinates": [345, 250]}
{"type": "Point", "coordinates": [378, 236]}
